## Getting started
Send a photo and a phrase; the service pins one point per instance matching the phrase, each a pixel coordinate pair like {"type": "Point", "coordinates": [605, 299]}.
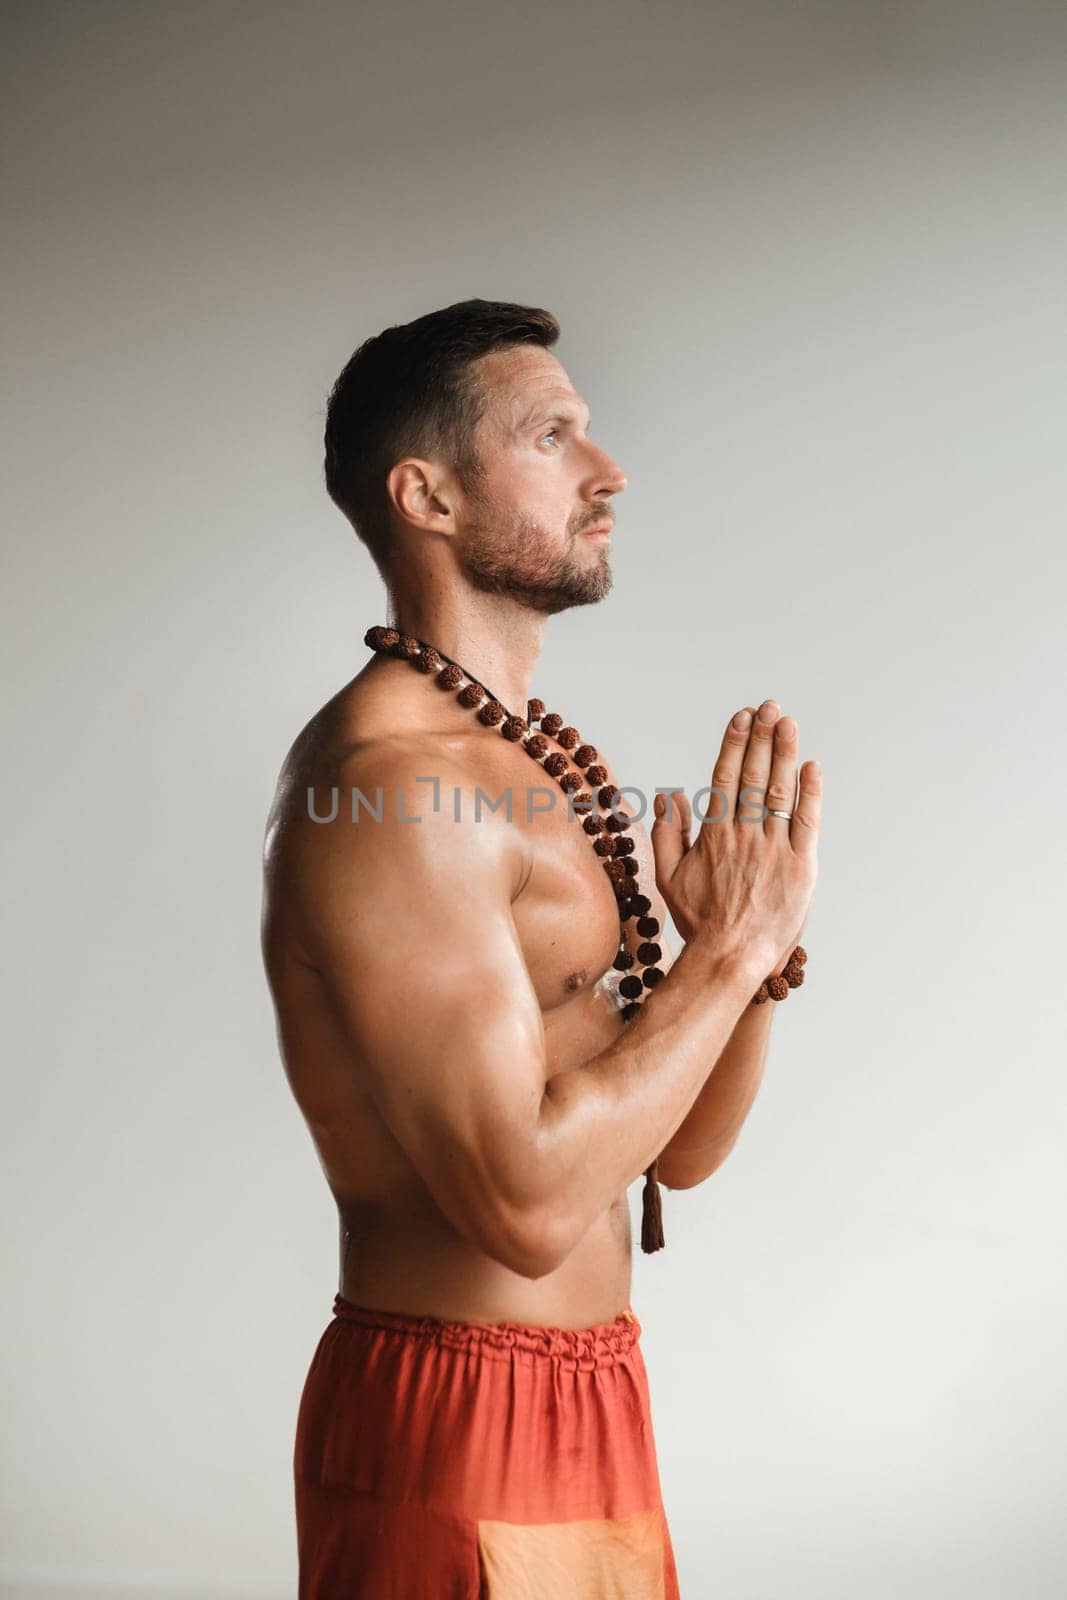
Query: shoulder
{"type": "Point", "coordinates": [402, 777]}
{"type": "Point", "coordinates": [403, 813]}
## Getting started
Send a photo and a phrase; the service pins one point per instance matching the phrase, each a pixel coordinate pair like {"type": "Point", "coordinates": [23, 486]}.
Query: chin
{"type": "Point", "coordinates": [596, 586]}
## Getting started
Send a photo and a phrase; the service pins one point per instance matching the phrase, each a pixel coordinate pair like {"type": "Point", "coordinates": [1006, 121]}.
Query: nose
{"type": "Point", "coordinates": [607, 478]}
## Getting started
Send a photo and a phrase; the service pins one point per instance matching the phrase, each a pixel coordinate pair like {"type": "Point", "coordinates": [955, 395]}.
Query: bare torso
{"type": "Point", "coordinates": [398, 1251]}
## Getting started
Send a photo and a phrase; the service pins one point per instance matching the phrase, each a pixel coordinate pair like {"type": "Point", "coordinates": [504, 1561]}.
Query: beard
{"type": "Point", "coordinates": [510, 553]}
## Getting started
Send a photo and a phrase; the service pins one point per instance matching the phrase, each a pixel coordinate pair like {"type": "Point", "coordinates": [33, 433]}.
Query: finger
{"type": "Point", "coordinates": [669, 841]}
{"type": "Point", "coordinates": [681, 800]}
{"type": "Point", "coordinates": [756, 764]}
{"type": "Point", "coordinates": [782, 782]}
{"type": "Point", "coordinates": [807, 813]}
{"type": "Point", "coordinates": [726, 773]}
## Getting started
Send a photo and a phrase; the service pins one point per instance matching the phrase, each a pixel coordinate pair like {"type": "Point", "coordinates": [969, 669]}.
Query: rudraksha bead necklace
{"type": "Point", "coordinates": [574, 765]}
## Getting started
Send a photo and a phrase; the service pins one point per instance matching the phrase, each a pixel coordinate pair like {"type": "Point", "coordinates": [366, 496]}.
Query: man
{"type": "Point", "coordinates": [476, 1417]}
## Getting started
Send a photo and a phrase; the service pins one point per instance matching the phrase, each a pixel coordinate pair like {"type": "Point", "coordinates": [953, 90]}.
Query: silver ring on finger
{"type": "Point", "coordinates": [788, 815]}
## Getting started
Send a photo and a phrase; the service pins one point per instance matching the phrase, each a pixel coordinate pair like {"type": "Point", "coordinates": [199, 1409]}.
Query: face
{"type": "Point", "coordinates": [525, 524]}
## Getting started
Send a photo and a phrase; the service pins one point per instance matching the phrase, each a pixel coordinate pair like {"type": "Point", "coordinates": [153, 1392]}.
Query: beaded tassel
{"type": "Point", "coordinates": [651, 1212]}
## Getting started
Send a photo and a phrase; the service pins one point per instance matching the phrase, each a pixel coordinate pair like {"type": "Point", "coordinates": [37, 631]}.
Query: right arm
{"type": "Point", "coordinates": [410, 924]}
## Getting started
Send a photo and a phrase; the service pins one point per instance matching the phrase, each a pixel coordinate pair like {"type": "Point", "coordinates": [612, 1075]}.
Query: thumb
{"type": "Point", "coordinates": [669, 835]}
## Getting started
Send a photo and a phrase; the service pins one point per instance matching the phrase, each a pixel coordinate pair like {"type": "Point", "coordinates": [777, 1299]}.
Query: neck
{"type": "Point", "coordinates": [496, 638]}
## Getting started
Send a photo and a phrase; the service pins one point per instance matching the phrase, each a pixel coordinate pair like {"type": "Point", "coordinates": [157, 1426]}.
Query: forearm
{"type": "Point", "coordinates": [711, 1127]}
{"type": "Point", "coordinates": [601, 1124]}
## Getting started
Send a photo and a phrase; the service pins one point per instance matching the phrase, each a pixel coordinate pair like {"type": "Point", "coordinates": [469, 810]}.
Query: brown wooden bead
{"type": "Point", "coordinates": [449, 677]}
{"type": "Point", "coordinates": [535, 710]}
{"type": "Point", "coordinates": [492, 713]}
{"type": "Point", "coordinates": [629, 1012]}
{"type": "Point", "coordinates": [471, 696]}
{"type": "Point", "coordinates": [596, 776]}
{"type": "Point", "coordinates": [570, 781]}
{"type": "Point", "coordinates": [555, 764]}
{"type": "Point", "coordinates": [569, 738]}
{"type": "Point", "coordinates": [794, 976]}
{"type": "Point", "coordinates": [625, 907]}
{"type": "Point", "coordinates": [604, 845]}
{"type": "Point", "coordinates": [513, 728]}
{"type": "Point", "coordinates": [641, 904]}
{"type": "Point", "coordinates": [630, 864]}
{"type": "Point", "coordinates": [583, 802]}
{"type": "Point", "coordinates": [537, 746]}
{"type": "Point", "coordinates": [407, 648]}
{"type": "Point", "coordinates": [615, 822]}
{"type": "Point", "coordinates": [428, 660]}
{"type": "Point", "coordinates": [651, 976]}
{"type": "Point", "coordinates": [777, 988]}
{"type": "Point", "coordinates": [551, 724]}
{"type": "Point", "coordinates": [648, 954]}
{"type": "Point", "coordinates": [593, 824]}
{"type": "Point", "coordinates": [630, 987]}
{"type": "Point", "coordinates": [648, 927]}
{"type": "Point", "coordinates": [616, 870]}
{"type": "Point", "coordinates": [623, 961]}
{"type": "Point", "coordinates": [799, 956]}
{"type": "Point", "coordinates": [381, 638]}
{"type": "Point", "coordinates": [761, 995]}
{"type": "Point", "coordinates": [584, 754]}
{"type": "Point", "coordinates": [605, 795]}
{"type": "Point", "coordinates": [623, 846]}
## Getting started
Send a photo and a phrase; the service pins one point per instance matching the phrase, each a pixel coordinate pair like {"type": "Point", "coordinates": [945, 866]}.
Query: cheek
{"type": "Point", "coordinates": [547, 497]}
{"type": "Point", "coordinates": [514, 484]}
{"type": "Point", "coordinates": [544, 488]}
{"type": "Point", "coordinates": [534, 476]}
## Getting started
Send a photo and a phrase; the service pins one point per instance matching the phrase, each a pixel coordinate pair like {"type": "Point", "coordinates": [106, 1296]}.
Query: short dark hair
{"type": "Point", "coordinates": [411, 390]}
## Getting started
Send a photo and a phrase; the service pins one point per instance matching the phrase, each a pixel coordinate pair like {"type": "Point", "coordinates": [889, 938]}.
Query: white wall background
{"type": "Point", "coordinates": [809, 261]}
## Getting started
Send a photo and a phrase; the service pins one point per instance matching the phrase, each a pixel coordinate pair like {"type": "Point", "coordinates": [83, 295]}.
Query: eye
{"type": "Point", "coordinates": [553, 433]}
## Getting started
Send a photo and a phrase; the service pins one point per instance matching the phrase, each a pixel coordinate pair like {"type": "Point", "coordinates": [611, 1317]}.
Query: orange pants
{"type": "Point", "coordinates": [478, 1461]}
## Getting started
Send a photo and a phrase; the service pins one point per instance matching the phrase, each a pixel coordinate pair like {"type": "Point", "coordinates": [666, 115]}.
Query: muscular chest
{"type": "Point", "coordinates": [566, 913]}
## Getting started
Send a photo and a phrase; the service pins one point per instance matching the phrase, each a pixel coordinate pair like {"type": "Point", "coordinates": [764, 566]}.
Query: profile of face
{"type": "Point", "coordinates": [536, 524]}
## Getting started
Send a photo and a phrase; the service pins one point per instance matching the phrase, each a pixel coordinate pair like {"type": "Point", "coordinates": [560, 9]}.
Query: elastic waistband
{"type": "Point", "coordinates": [598, 1345]}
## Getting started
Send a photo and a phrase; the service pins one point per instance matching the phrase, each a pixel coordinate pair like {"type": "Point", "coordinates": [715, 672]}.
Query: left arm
{"type": "Point", "coordinates": [716, 1117]}
{"type": "Point", "coordinates": [765, 762]}
{"type": "Point", "coordinates": [714, 1121]}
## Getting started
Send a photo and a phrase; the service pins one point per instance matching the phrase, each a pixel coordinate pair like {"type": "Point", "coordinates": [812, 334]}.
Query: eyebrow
{"type": "Point", "coordinates": [539, 416]}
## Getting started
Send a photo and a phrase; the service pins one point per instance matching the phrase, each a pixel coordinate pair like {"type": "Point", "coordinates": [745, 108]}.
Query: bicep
{"type": "Point", "coordinates": [418, 947]}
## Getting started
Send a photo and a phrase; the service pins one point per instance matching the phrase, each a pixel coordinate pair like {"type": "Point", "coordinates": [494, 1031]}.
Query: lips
{"type": "Point", "coordinates": [601, 527]}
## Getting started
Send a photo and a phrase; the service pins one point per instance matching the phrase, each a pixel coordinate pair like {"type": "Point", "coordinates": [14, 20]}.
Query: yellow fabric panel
{"type": "Point", "coordinates": [618, 1559]}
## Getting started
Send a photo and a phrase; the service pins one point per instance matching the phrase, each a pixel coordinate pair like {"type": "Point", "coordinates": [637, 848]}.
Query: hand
{"type": "Point", "coordinates": [745, 885]}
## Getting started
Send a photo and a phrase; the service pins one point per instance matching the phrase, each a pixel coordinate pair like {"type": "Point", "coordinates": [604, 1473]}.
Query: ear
{"type": "Point", "coordinates": [422, 494]}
